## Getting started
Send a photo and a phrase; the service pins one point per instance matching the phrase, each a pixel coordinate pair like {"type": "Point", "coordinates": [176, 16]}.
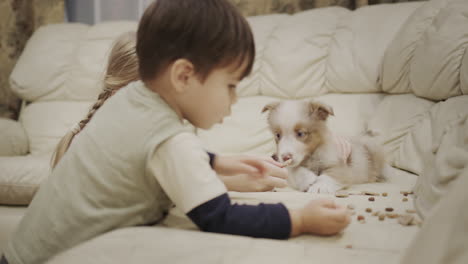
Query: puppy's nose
{"type": "Point", "coordinates": [275, 157]}
{"type": "Point", "coordinates": [286, 156]}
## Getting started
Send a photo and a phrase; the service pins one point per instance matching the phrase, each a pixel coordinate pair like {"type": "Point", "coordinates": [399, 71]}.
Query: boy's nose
{"type": "Point", "coordinates": [286, 156]}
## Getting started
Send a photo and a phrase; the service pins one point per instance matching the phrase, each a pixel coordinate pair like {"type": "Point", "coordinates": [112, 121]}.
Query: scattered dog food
{"type": "Point", "coordinates": [405, 193]}
{"type": "Point", "coordinates": [341, 194]}
{"type": "Point", "coordinates": [286, 163]}
{"type": "Point", "coordinates": [371, 199]}
{"type": "Point", "coordinates": [351, 207]}
{"type": "Point", "coordinates": [384, 194]}
{"type": "Point", "coordinates": [405, 199]}
{"type": "Point", "coordinates": [368, 210]}
{"type": "Point", "coordinates": [410, 211]}
{"type": "Point", "coordinates": [381, 217]}
{"type": "Point", "coordinates": [389, 209]}
{"type": "Point", "coordinates": [392, 215]}
{"type": "Point", "coordinates": [349, 246]}
{"type": "Point", "coordinates": [360, 217]}
{"type": "Point", "coordinates": [376, 213]}
{"type": "Point", "coordinates": [406, 220]}
{"type": "Point", "coordinates": [371, 193]}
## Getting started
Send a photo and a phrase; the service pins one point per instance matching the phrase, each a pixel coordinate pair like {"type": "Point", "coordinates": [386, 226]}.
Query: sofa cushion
{"type": "Point", "coordinates": [372, 242]}
{"type": "Point", "coordinates": [13, 139]}
{"type": "Point", "coordinates": [328, 50]}
{"type": "Point", "coordinates": [20, 177]}
{"type": "Point", "coordinates": [10, 217]}
{"type": "Point", "coordinates": [411, 128]}
{"type": "Point", "coordinates": [402, 124]}
{"type": "Point", "coordinates": [428, 55]}
{"type": "Point", "coordinates": [47, 122]}
{"type": "Point", "coordinates": [65, 61]}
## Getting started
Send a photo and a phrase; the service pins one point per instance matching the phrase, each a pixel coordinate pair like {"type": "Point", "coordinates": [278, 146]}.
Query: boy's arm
{"type": "Point", "coordinates": [181, 167]}
{"type": "Point", "coordinates": [263, 220]}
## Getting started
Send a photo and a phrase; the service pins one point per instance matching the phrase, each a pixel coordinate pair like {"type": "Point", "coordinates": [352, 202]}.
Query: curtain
{"type": "Point", "coordinates": [18, 20]}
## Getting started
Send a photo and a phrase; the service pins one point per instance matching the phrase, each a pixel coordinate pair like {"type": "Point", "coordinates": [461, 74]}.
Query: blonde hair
{"type": "Point", "coordinates": [122, 68]}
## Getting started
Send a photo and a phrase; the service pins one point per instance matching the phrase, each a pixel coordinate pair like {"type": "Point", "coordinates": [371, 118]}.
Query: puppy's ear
{"type": "Point", "coordinates": [270, 106]}
{"type": "Point", "coordinates": [320, 110]}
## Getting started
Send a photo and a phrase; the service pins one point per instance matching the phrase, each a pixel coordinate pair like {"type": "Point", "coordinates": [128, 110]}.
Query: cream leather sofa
{"type": "Point", "coordinates": [399, 71]}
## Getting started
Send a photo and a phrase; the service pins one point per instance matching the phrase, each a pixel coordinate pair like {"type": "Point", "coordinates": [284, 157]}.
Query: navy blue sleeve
{"type": "Point", "coordinates": [212, 159]}
{"type": "Point", "coordinates": [264, 220]}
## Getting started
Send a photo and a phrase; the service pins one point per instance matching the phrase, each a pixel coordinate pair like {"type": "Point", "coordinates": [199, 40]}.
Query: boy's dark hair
{"type": "Point", "coordinates": [209, 33]}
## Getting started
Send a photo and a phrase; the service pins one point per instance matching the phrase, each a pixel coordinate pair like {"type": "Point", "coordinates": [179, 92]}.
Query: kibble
{"type": "Point", "coordinates": [389, 209]}
{"type": "Point", "coordinates": [351, 207]}
{"type": "Point", "coordinates": [392, 215]}
{"type": "Point", "coordinates": [341, 194]}
{"type": "Point", "coordinates": [368, 210]}
{"type": "Point", "coordinates": [286, 163]}
{"type": "Point", "coordinates": [349, 246]}
{"type": "Point", "coordinates": [405, 199]}
{"type": "Point", "coordinates": [360, 217]}
{"type": "Point", "coordinates": [370, 193]}
{"type": "Point", "coordinates": [376, 213]}
{"type": "Point", "coordinates": [381, 217]}
{"type": "Point", "coordinates": [384, 194]}
{"type": "Point", "coordinates": [410, 211]}
{"type": "Point", "coordinates": [406, 220]}
{"type": "Point", "coordinates": [371, 199]}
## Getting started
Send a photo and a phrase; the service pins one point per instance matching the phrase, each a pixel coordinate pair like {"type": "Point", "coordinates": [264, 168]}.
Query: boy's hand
{"type": "Point", "coordinates": [321, 217]}
{"type": "Point", "coordinates": [250, 173]}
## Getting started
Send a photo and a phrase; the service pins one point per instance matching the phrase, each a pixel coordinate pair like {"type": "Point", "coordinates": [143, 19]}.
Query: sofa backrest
{"type": "Point", "coordinates": [329, 50]}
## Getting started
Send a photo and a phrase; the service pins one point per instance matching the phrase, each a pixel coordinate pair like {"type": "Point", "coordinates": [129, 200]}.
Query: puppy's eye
{"type": "Point", "coordinates": [300, 134]}
{"type": "Point", "coordinates": [277, 136]}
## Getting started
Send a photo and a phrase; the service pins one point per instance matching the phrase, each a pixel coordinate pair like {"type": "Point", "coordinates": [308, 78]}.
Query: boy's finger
{"type": "Point", "coordinates": [274, 162]}
{"type": "Point", "coordinates": [328, 203]}
{"type": "Point", "coordinates": [276, 182]}
{"type": "Point", "coordinates": [339, 215]}
{"type": "Point", "coordinates": [260, 165]}
{"type": "Point", "coordinates": [249, 169]}
{"type": "Point", "coordinates": [276, 171]}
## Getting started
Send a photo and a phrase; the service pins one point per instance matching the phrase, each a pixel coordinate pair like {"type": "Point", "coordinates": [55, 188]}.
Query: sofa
{"type": "Point", "coordinates": [397, 72]}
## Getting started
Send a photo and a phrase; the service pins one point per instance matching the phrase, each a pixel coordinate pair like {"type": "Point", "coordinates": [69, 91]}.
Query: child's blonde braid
{"type": "Point", "coordinates": [121, 70]}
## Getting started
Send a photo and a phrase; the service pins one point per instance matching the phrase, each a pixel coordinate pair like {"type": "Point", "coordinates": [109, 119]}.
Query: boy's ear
{"type": "Point", "coordinates": [182, 72]}
{"type": "Point", "coordinates": [270, 106]}
{"type": "Point", "coordinates": [320, 110]}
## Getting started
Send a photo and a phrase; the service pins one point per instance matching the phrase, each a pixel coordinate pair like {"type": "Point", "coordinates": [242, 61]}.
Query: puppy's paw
{"type": "Point", "coordinates": [324, 186]}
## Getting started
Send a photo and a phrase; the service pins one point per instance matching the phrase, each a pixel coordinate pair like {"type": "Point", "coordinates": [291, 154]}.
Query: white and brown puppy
{"type": "Point", "coordinates": [320, 161]}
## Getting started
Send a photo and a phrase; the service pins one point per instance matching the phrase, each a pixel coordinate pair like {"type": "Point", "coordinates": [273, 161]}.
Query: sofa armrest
{"type": "Point", "coordinates": [13, 138]}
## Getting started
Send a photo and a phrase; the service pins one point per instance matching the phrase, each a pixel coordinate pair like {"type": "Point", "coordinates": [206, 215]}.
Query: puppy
{"type": "Point", "coordinates": [320, 161]}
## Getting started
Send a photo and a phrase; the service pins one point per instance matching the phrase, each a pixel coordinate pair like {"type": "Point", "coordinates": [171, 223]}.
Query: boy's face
{"type": "Point", "coordinates": [207, 103]}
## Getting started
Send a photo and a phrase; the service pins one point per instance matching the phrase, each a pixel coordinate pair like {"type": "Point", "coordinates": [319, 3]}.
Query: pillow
{"type": "Point", "coordinates": [13, 139]}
